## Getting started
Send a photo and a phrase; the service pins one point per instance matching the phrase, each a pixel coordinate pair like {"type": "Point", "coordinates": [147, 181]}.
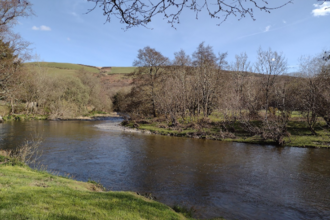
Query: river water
{"type": "Point", "coordinates": [231, 180]}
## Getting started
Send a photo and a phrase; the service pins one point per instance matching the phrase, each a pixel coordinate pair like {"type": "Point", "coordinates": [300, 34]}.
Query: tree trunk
{"type": "Point", "coordinates": [327, 120]}
{"type": "Point", "coordinates": [12, 105]}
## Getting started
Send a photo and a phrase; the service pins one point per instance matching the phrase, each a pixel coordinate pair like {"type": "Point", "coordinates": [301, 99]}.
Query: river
{"type": "Point", "coordinates": [231, 180]}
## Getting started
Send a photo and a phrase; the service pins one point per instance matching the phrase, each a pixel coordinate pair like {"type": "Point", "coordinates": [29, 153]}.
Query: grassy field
{"type": "Point", "coordinates": [31, 194]}
{"type": "Point", "coordinates": [69, 68]}
{"type": "Point", "coordinates": [64, 67]}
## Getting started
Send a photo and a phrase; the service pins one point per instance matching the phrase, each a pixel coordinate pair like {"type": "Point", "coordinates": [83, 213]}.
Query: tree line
{"type": "Point", "coordinates": [260, 97]}
{"type": "Point", "coordinates": [29, 88]}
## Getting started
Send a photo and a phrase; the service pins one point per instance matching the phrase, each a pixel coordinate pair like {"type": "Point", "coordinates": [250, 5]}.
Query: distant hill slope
{"type": "Point", "coordinates": [116, 78]}
{"type": "Point", "coordinates": [64, 66]}
{"type": "Point", "coordinates": [70, 68]}
{"type": "Point", "coordinates": [122, 70]}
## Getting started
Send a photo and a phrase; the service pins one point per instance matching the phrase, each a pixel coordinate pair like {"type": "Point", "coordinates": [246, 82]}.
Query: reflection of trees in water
{"type": "Point", "coordinates": [13, 134]}
{"type": "Point", "coordinates": [313, 181]}
{"type": "Point", "coordinates": [218, 177]}
{"type": "Point", "coordinates": [184, 170]}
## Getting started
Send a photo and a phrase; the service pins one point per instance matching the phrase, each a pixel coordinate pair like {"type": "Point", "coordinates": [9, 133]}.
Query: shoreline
{"type": "Point", "coordinates": [116, 126]}
{"type": "Point", "coordinates": [96, 117]}
{"type": "Point", "coordinates": [55, 195]}
{"type": "Point", "coordinates": [293, 141]}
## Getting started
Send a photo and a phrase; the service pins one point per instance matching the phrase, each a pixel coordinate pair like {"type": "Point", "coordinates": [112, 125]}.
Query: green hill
{"type": "Point", "coordinates": [69, 68]}
{"type": "Point", "coordinates": [65, 67]}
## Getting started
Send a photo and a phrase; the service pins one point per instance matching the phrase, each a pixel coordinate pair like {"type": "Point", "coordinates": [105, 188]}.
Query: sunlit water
{"type": "Point", "coordinates": [232, 180]}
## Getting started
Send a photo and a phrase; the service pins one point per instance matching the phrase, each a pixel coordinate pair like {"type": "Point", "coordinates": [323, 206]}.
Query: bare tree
{"type": "Point", "coordinates": [13, 49]}
{"type": "Point", "coordinates": [310, 91]}
{"type": "Point", "coordinates": [239, 72]}
{"type": "Point", "coordinates": [323, 98]}
{"type": "Point", "coordinates": [205, 63]}
{"type": "Point", "coordinates": [10, 10]}
{"type": "Point", "coordinates": [151, 62]}
{"type": "Point", "coordinates": [326, 56]}
{"type": "Point", "coordinates": [270, 65]}
{"type": "Point", "coordinates": [181, 68]}
{"type": "Point", "coordinates": [314, 89]}
{"type": "Point", "coordinates": [140, 13]}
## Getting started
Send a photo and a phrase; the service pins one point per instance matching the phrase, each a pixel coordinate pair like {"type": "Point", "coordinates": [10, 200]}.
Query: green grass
{"type": "Point", "coordinates": [296, 114]}
{"type": "Point", "coordinates": [23, 117]}
{"type": "Point", "coordinates": [69, 68]}
{"type": "Point", "coordinates": [31, 194]}
{"type": "Point", "coordinates": [64, 66]}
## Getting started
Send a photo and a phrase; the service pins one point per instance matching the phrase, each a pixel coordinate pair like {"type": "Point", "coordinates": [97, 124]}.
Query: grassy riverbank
{"type": "Point", "coordinates": [23, 117]}
{"type": "Point", "coordinates": [29, 194]}
{"type": "Point", "coordinates": [27, 117]}
{"type": "Point", "coordinates": [300, 135]}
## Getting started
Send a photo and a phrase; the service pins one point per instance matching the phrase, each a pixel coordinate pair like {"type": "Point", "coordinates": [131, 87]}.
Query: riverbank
{"type": "Point", "coordinates": [94, 117]}
{"type": "Point", "coordinates": [300, 136]}
{"type": "Point", "coordinates": [30, 194]}
{"type": "Point", "coordinates": [91, 117]}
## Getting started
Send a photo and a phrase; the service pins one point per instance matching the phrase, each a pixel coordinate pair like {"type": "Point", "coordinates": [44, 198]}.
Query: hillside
{"type": "Point", "coordinates": [116, 78]}
{"type": "Point", "coordinates": [66, 68]}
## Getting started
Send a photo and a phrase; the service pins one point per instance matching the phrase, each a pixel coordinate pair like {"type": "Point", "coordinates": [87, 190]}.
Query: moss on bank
{"type": "Point", "coordinates": [31, 194]}
{"type": "Point", "coordinates": [23, 117]}
{"type": "Point", "coordinates": [27, 117]}
{"type": "Point", "coordinates": [300, 134]}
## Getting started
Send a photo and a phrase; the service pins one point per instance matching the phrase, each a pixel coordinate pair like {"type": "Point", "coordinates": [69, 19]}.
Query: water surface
{"type": "Point", "coordinates": [232, 180]}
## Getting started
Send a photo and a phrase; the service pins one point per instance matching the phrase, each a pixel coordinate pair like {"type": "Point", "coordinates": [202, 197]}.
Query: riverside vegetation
{"type": "Point", "coordinates": [62, 90]}
{"type": "Point", "coordinates": [204, 96]}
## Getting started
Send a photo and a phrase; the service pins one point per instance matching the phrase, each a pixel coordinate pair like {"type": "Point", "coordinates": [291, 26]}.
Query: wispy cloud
{"type": "Point", "coordinates": [68, 39]}
{"type": "Point", "coordinates": [41, 28]}
{"type": "Point", "coordinates": [321, 9]}
{"type": "Point", "coordinates": [45, 28]}
{"type": "Point", "coordinates": [76, 16]}
{"type": "Point", "coordinates": [274, 29]}
{"type": "Point", "coordinates": [284, 21]}
{"type": "Point", "coordinates": [267, 28]}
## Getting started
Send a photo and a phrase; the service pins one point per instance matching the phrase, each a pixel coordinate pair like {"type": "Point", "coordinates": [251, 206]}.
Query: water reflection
{"type": "Point", "coordinates": [233, 180]}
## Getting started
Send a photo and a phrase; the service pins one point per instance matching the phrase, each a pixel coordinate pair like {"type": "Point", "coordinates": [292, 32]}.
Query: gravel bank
{"type": "Point", "coordinates": [115, 126]}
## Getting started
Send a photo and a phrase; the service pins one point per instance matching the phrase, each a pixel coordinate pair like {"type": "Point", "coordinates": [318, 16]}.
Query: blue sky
{"type": "Point", "coordinates": [61, 31]}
